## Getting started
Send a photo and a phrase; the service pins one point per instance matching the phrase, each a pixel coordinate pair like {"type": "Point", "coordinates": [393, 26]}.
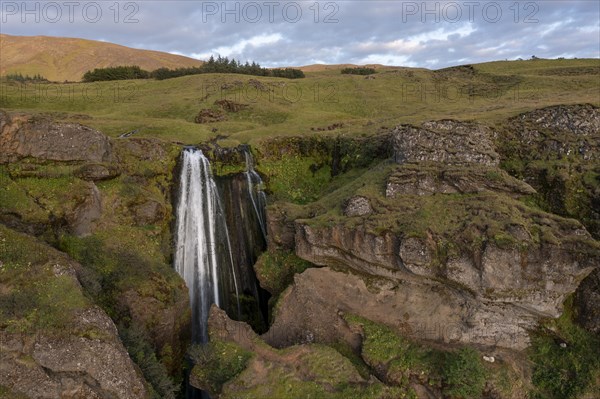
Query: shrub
{"type": "Point", "coordinates": [116, 73]}
{"type": "Point", "coordinates": [225, 65]}
{"type": "Point", "coordinates": [153, 370]}
{"type": "Point", "coordinates": [18, 77]}
{"type": "Point", "coordinates": [358, 71]}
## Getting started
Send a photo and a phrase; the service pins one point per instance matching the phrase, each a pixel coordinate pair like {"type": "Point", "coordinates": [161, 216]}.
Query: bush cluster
{"type": "Point", "coordinates": [218, 65]}
{"type": "Point", "coordinates": [18, 77]}
{"type": "Point", "coordinates": [358, 71]}
{"type": "Point", "coordinates": [116, 73]}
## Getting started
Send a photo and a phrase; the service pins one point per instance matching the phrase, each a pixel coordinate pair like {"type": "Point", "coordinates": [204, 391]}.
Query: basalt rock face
{"type": "Point", "coordinates": [556, 150]}
{"type": "Point", "coordinates": [448, 142]}
{"type": "Point", "coordinates": [24, 136]}
{"type": "Point", "coordinates": [429, 179]}
{"type": "Point", "coordinates": [492, 300]}
{"type": "Point", "coordinates": [559, 131]}
{"type": "Point", "coordinates": [448, 157]}
{"type": "Point", "coordinates": [500, 266]}
{"type": "Point", "coordinates": [68, 348]}
{"type": "Point", "coordinates": [71, 367]}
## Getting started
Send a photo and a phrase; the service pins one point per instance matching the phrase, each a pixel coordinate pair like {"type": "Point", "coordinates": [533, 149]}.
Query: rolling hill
{"type": "Point", "coordinates": [59, 59]}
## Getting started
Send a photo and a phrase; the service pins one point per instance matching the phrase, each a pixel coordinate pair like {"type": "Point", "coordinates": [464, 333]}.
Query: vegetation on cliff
{"type": "Point", "coordinates": [123, 242]}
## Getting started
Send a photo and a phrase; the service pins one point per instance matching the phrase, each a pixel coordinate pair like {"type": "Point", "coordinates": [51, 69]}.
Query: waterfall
{"type": "Point", "coordinates": [257, 195]}
{"type": "Point", "coordinates": [203, 256]}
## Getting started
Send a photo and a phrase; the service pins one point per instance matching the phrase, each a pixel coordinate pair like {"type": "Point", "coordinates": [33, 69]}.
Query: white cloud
{"type": "Point", "coordinates": [237, 49]}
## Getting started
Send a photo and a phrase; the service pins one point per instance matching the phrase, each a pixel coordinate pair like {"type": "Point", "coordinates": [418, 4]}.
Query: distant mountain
{"type": "Point", "coordinates": [61, 58]}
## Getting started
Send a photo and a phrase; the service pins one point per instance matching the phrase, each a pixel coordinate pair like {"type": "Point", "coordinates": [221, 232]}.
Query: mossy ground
{"type": "Point", "coordinates": [566, 359]}
{"type": "Point", "coordinates": [312, 371]}
{"type": "Point", "coordinates": [7, 393]}
{"type": "Point", "coordinates": [35, 299]}
{"type": "Point", "coordinates": [398, 361]}
{"type": "Point", "coordinates": [275, 270]}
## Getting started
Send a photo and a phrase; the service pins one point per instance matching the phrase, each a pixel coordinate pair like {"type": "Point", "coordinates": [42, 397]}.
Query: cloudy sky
{"type": "Point", "coordinates": [431, 34]}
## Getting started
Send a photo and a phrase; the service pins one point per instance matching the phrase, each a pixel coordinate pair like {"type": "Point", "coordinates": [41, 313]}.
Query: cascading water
{"type": "Point", "coordinates": [257, 195]}
{"type": "Point", "coordinates": [220, 232]}
{"type": "Point", "coordinates": [203, 250]}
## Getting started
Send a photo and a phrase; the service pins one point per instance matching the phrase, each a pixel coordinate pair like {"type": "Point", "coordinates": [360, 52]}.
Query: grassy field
{"type": "Point", "coordinates": [325, 101]}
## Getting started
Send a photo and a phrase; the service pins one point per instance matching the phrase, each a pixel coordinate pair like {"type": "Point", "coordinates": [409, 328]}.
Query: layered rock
{"type": "Point", "coordinates": [559, 131]}
{"type": "Point", "coordinates": [430, 179]}
{"type": "Point", "coordinates": [492, 299]}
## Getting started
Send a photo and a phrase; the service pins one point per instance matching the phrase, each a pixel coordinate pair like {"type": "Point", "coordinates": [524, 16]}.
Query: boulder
{"type": "Point", "coordinates": [97, 172]}
{"type": "Point", "coordinates": [81, 219]}
{"type": "Point", "coordinates": [26, 136]}
{"type": "Point", "coordinates": [357, 206]}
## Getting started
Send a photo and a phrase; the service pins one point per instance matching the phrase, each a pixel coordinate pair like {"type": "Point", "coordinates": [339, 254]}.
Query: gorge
{"type": "Point", "coordinates": [333, 286]}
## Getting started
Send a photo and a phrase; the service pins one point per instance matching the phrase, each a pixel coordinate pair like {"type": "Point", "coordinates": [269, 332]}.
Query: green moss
{"type": "Point", "coordinates": [14, 199]}
{"type": "Point", "coordinates": [217, 362]}
{"type": "Point", "coordinates": [34, 298]}
{"type": "Point", "coordinates": [282, 384]}
{"type": "Point", "coordinates": [317, 372]}
{"type": "Point", "coordinates": [463, 374]}
{"type": "Point", "coordinates": [460, 374]}
{"type": "Point", "coordinates": [382, 346]}
{"type": "Point", "coordinates": [359, 364]}
{"type": "Point", "coordinates": [160, 384]}
{"type": "Point", "coordinates": [275, 270]}
{"type": "Point", "coordinates": [7, 393]}
{"type": "Point", "coordinates": [295, 178]}
{"type": "Point", "coordinates": [563, 372]}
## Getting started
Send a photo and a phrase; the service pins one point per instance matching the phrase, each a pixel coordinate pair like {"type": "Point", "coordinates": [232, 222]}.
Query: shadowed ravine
{"type": "Point", "coordinates": [220, 232]}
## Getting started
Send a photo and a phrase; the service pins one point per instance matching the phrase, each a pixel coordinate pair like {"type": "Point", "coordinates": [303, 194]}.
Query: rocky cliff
{"type": "Point", "coordinates": [54, 342]}
{"type": "Point", "coordinates": [107, 203]}
{"type": "Point", "coordinates": [448, 244]}
{"type": "Point", "coordinates": [499, 266]}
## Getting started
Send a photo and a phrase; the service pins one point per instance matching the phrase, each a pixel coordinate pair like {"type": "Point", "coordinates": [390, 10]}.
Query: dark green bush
{"type": "Point", "coordinates": [225, 65]}
{"type": "Point", "coordinates": [19, 77]}
{"type": "Point", "coordinates": [116, 73]}
{"type": "Point", "coordinates": [155, 372]}
{"type": "Point", "coordinates": [358, 71]}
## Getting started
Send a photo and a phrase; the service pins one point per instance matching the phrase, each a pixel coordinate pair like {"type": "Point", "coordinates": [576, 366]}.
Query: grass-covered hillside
{"type": "Point", "coordinates": [62, 58]}
{"type": "Point", "coordinates": [325, 102]}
